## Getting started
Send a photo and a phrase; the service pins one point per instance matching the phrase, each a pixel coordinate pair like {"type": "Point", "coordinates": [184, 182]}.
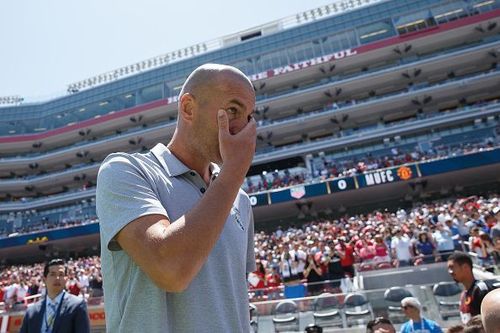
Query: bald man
{"type": "Point", "coordinates": [490, 311]}
{"type": "Point", "coordinates": [176, 230]}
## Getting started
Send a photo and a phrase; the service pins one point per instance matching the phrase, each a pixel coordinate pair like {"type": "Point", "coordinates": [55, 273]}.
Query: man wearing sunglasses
{"type": "Point", "coordinates": [417, 324]}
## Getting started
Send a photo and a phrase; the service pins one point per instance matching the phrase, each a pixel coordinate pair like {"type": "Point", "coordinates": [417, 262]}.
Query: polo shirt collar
{"type": "Point", "coordinates": [173, 166]}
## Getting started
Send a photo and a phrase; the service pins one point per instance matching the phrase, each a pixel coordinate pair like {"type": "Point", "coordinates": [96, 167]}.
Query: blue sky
{"type": "Point", "coordinates": [49, 44]}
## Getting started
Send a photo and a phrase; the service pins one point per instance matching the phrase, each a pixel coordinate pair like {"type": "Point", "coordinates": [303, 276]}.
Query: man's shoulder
{"type": "Point", "coordinates": [244, 194]}
{"type": "Point", "coordinates": [405, 327]}
{"type": "Point", "coordinates": [244, 198]}
{"type": "Point", "coordinates": [482, 287]}
{"type": "Point", "coordinates": [119, 159]}
{"type": "Point", "coordinates": [431, 323]}
{"type": "Point", "coordinates": [119, 165]}
{"type": "Point", "coordinates": [74, 299]}
{"type": "Point", "coordinates": [35, 308]}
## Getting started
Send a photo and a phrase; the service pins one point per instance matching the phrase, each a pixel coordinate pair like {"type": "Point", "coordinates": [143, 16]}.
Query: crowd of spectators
{"type": "Point", "coordinates": [325, 168]}
{"type": "Point", "coordinates": [329, 168]}
{"type": "Point", "coordinates": [19, 282]}
{"type": "Point", "coordinates": [331, 249]}
{"type": "Point", "coordinates": [46, 224]}
{"type": "Point", "coordinates": [325, 249]}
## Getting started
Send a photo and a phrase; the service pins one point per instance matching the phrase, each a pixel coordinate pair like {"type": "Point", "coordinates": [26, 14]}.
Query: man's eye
{"type": "Point", "coordinates": [232, 110]}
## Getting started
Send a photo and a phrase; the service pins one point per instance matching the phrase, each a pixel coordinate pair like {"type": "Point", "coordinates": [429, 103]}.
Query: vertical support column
{"type": "Point", "coordinates": [309, 165]}
{"type": "Point", "coordinates": [164, 90]}
{"type": "Point", "coordinates": [138, 97]}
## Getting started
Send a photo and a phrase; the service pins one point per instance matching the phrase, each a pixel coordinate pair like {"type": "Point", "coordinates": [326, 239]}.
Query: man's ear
{"type": "Point", "coordinates": [187, 105]}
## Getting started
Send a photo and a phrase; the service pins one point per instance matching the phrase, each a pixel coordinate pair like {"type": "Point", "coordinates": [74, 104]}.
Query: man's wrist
{"type": "Point", "coordinates": [235, 173]}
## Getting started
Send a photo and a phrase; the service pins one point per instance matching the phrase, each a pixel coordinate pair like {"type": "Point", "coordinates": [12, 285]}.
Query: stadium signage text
{"type": "Point", "coordinates": [259, 199]}
{"type": "Point", "coordinates": [314, 61]}
{"type": "Point", "coordinates": [384, 176]}
{"type": "Point", "coordinates": [172, 99]}
{"type": "Point", "coordinates": [304, 64]}
{"type": "Point", "coordinates": [291, 68]}
{"type": "Point", "coordinates": [388, 176]}
{"type": "Point", "coordinates": [342, 184]}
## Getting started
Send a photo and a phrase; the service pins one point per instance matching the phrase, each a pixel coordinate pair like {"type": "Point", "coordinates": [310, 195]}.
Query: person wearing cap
{"type": "Point", "coordinates": [417, 324]}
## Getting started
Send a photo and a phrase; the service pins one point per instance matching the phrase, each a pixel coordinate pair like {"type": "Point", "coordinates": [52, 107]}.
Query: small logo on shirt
{"type": "Point", "coordinates": [237, 217]}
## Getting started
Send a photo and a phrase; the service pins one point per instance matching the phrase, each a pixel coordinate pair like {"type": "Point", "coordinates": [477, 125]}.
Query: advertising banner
{"type": "Point", "coordinates": [385, 176]}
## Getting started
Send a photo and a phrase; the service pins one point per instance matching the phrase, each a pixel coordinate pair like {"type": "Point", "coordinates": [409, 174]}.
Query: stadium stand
{"type": "Point", "coordinates": [378, 120]}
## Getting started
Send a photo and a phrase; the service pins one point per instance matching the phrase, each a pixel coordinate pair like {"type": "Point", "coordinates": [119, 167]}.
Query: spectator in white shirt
{"type": "Point", "coordinates": [300, 257]}
{"type": "Point", "coordinates": [401, 248]}
{"type": "Point", "coordinates": [444, 241]}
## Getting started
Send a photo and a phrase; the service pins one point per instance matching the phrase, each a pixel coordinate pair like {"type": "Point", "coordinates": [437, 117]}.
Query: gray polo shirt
{"type": "Point", "coordinates": [134, 185]}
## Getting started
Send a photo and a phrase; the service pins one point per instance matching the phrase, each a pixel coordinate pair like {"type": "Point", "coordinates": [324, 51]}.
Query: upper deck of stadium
{"type": "Point", "coordinates": [346, 79]}
{"type": "Point", "coordinates": [338, 30]}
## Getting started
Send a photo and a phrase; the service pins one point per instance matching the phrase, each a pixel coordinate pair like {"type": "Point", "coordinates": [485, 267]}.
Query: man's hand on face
{"type": "Point", "coordinates": [237, 150]}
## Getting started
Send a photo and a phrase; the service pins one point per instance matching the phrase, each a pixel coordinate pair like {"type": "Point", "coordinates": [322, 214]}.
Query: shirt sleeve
{"type": "Point", "coordinates": [477, 297]}
{"type": "Point", "coordinates": [251, 266]}
{"type": "Point", "coordinates": [123, 194]}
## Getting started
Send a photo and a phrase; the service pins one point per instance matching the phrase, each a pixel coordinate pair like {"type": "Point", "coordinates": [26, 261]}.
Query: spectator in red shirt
{"type": "Point", "coordinates": [477, 245]}
{"type": "Point", "coordinates": [273, 281]}
{"type": "Point", "coordinates": [260, 280]}
{"type": "Point", "coordinates": [381, 250]}
{"type": "Point", "coordinates": [2, 291]}
{"type": "Point", "coordinates": [366, 250]}
{"type": "Point", "coordinates": [346, 253]}
{"type": "Point", "coordinates": [73, 286]}
{"type": "Point", "coordinates": [363, 242]}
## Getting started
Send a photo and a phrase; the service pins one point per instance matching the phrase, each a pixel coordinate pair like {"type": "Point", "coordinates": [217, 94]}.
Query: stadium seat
{"type": "Point", "coordinates": [363, 267]}
{"type": "Point", "coordinates": [286, 316]}
{"type": "Point", "coordinates": [254, 318]}
{"type": "Point", "coordinates": [357, 309]}
{"type": "Point", "coordinates": [384, 265]}
{"type": "Point", "coordinates": [447, 296]}
{"type": "Point", "coordinates": [327, 311]}
{"type": "Point", "coordinates": [393, 297]}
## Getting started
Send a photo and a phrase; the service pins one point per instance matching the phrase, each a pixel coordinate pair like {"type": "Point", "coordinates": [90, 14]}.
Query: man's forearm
{"type": "Point", "coordinates": [186, 243]}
